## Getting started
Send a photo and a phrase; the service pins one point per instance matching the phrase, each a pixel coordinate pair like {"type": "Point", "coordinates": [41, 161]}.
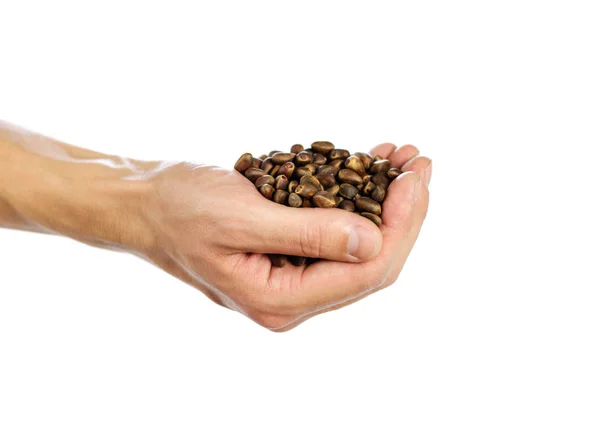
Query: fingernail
{"type": "Point", "coordinates": [363, 243]}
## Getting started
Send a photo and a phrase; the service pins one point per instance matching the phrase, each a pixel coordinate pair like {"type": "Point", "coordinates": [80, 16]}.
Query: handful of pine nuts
{"type": "Point", "coordinates": [323, 177]}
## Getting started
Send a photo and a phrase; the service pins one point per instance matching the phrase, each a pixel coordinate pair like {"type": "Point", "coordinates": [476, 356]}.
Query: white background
{"type": "Point", "coordinates": [494, 322]}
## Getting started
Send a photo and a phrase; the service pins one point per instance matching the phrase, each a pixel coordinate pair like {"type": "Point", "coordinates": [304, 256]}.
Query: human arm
{"type": "Point", "coordinates": [210, 228]}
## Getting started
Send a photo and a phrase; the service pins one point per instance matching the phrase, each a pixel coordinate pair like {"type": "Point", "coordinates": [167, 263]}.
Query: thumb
{"type": "Point", "coordinates": [331, 234]}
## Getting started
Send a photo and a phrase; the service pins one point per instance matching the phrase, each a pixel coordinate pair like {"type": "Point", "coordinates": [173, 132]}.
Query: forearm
{"type": "Point", "coordinates": [48, 186]}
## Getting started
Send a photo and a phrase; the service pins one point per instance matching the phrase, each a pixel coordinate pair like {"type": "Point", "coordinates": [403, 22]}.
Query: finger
{"type": "Point", "coordinates": [327, 283]}
{"type": "Point", "coordinates": [404, 195]}
{"type": "Point", "coordinates": [421, 165]}
{"type": "Point", "coordinates": [287, 325]}
{"type": "Point", "coordinates": [348, 284]}
{"type": "Point", "coordinates": [384, 150]}
{"type": "Point", "coordinates": [315, 233]}
{"type": "Point", "coordinates": [403, 226]}
{"type": "Point", "coordinates": [420, 214]}
{"type": "Point", "coordinates": [400, 218]}
{"type": "Point", "coordinates": [402, 155]}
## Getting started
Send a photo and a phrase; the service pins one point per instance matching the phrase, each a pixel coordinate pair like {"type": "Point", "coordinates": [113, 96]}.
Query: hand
{"type": "Point", "coordinates": [213, 230]}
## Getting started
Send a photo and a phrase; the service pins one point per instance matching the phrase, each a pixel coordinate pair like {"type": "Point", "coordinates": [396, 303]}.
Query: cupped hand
{"type": "Point", "coordinates": [214, 231]}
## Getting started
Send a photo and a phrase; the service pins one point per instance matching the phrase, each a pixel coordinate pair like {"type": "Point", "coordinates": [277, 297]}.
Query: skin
{"type": "Point", "coordinates": [209, 226]}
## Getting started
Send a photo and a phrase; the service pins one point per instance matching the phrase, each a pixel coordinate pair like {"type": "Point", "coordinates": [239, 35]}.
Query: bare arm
{"type": "Point", "coordinates": [210, 227]}
{"type": "Point", "coordinates": [51, 187]}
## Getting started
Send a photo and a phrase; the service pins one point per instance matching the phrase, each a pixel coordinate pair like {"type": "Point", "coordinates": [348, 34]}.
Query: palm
{"type": "Point", "coordinates": [338, 283]}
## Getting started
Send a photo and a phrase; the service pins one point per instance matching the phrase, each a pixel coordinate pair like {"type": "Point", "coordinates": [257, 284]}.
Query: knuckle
{"type": "Point", "coordinates": [272, 322]}
{"type": "Point", "coordinates": [391, 279]}
{"type": "Point", "coordinates": [375, 280]}
{"type": "Point", "coordinates": [311, 240]}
